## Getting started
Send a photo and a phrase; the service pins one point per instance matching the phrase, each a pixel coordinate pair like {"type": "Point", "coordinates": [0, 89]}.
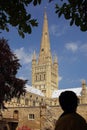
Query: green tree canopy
{"type": "Point", "coordinates": [75, 11]}
{"type": "Point", "coordinates": [14, 13]}
{"type": "Point", "coordinates": [10, 86]}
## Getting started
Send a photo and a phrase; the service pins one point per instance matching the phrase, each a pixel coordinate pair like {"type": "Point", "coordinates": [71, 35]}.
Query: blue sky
{"type": "Point", "coordinates": [68, 43]}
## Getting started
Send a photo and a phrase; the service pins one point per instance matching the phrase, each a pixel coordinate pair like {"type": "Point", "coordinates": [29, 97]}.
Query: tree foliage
{"type": "Point", "coordinates": [75, 11]}
{"type": "Point", "coordinates": [10, 86]}
{"type": "Point", "coordinates": [14, 13]}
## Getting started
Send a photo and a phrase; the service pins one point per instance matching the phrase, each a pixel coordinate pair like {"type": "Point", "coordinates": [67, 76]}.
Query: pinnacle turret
{"type": "Point", "coordinates": [34, 55]}
{"type": "Point", "coordinates": [55, 59]}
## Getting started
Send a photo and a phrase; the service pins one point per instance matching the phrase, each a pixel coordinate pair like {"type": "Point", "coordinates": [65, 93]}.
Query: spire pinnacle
{"type": "Point", "coordinates": [55, 58]}
{"type": "Point", "coordinates": [83, 84]}
{"type": "Point", "coordinates": [34, 55]}
{"type": "Point", "coordinates": [45, 42]}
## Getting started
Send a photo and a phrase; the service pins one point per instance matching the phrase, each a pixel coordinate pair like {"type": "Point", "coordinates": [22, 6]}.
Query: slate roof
{"type": "Point", "coordinates": [55, 93]}
{"type": "Point", "coordinates": [34, 90]}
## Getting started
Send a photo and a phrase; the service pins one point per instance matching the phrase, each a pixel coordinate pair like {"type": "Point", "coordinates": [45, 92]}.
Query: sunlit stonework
{"type": "Point", "coordinates": [44, 69]}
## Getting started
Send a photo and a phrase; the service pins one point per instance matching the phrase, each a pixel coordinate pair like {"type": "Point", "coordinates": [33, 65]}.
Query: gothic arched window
{"type": "Point", "coordinates": [15, 114]}
{"type": "Point", "coordinates": [44, 76]}
{"type": "Point", "coordinates": [26, 101]}
{"type": "Point", "coordinates": [36, 77]}
{"type": "Point", "coordinates": [33, 103]}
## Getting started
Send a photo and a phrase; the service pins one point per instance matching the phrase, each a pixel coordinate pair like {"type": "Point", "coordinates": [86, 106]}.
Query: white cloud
{"type": "Point", "coordinates": [83, 47]}
{"type": "Point", "coordinates": [58, 30]}
{"type": "Point", "coordinates": [60, 78]}
{"type": "Point", "coordinates": [77, 46]}
{"type": "Point", "coordinates": [23, 56]}
{"type": "Point", "coordinates": [72, 46]}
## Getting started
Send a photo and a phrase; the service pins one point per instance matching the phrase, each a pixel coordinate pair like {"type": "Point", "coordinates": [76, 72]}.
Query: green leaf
{"type": "Point", "coordinates": [83, 28]}
{"type": "Point", "coordinates": [71, 22]}
{"type": "Point", "coordinates": [77, 21]}
{"type": "Point", "coordinates": [29, 29]}
{"type": "Point", "coordinates": [57, 8]}
{"type": "Point", "coordinates": [67, 16]}
{"type": "Point", "coordinates": [35, 2]}
{"type": "Point", "coordinates": [21, 33]}
{"type": "Point", "coordinates": [33, 22]}
{"type": "Point", "coordinates": [7, 29]}
{"type": "Point", "coordinates": [39, 1]}
{"type": "Point", "coordinates": [60, 13]}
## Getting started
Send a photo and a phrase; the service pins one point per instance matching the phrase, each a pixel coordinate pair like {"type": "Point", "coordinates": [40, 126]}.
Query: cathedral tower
{"type": "Point", "coordinates": [44, 70]}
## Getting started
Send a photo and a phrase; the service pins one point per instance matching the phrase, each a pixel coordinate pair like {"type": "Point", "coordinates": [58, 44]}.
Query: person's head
{"type": "Point", "coordinates": [68, 101]}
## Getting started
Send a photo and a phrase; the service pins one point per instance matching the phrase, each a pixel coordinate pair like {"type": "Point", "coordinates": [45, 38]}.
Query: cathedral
{"type": "Point", "coordinates": [45, 70]}
{"type": "Point", "coordinates": [39, 108]}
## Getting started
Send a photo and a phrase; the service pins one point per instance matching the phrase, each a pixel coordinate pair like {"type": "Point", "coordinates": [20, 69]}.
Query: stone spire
{"type": "Point", "coordinates": [34, 55]}
{"type": "Point", "coordinates": [45, 52]}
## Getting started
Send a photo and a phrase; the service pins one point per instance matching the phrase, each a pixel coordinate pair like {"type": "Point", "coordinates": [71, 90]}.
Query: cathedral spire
{"type": "Point", "coordinates": [45, 42]}
{"type": "Point", "coordinates": [44, 70]}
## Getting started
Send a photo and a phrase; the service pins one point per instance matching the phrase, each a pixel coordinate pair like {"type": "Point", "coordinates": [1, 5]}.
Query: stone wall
{"type": "Point", "coordinates": [43, 117]}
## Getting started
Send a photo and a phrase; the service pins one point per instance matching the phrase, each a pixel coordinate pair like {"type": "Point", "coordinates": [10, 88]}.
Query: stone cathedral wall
{"type": "Point", "coordinates": [44, 116]}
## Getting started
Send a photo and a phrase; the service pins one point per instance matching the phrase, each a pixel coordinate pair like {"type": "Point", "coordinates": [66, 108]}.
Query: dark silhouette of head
{"type": "Point", "coordinates": [68, 101]}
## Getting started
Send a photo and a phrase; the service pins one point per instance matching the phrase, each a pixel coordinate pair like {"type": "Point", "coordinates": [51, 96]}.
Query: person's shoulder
{"type": "Point", "coordinates": [71, 120]}
{"type": "Point", "coordinates": [79, 117]}
{"type": "Point", "coordinates": [75, 117]}
{"type": "Point", "coordinates": [81, 120]}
